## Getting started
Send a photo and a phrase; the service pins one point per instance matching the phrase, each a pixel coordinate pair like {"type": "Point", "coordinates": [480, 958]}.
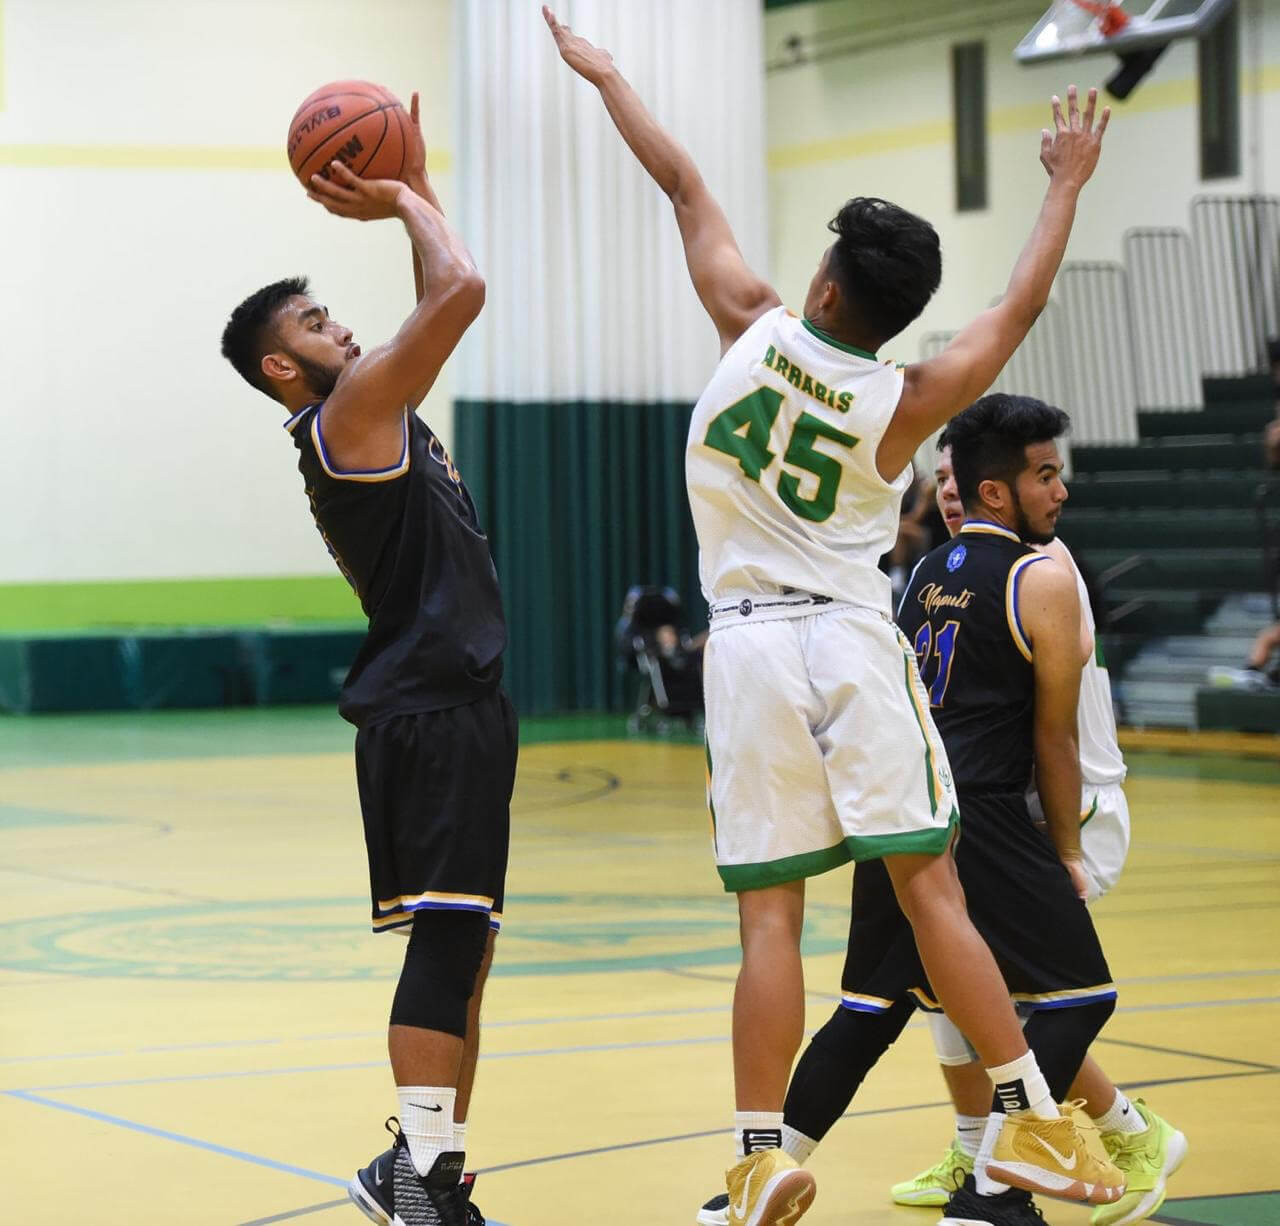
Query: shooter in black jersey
{"type": "Point", "coordinates": [436, 739]}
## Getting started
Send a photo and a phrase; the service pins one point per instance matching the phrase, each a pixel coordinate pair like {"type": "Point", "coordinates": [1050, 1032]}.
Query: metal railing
{"type": "Point", "coordinates": [1099, 339]}
{"type": "Point", "coordinates": [1165, 292]}
{"type": "Point", "coordinates": [1237, 239]}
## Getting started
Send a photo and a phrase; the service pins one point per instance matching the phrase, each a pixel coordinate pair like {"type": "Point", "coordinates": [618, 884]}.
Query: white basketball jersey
{"type": "Point", "coordinates": [781, 467]}
{"type": "Point", "coordinates": [1100, 759]}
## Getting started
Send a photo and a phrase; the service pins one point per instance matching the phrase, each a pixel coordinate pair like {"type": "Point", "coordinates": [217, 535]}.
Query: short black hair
{"type": "Point", "coordinates": [249, 335]}
{"type": "Point", "coordinates": [1273, 351]}
{"type": "Point", "coordinates": [989, 439]}
{"type": "Point", "coordinates": [887, 262]}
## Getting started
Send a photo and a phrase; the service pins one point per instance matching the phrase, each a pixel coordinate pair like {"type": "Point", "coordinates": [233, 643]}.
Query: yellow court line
{"type": "Point", "coordinates": [163, 157]}
{"type": "Point", "coordinates": [1021, 117]}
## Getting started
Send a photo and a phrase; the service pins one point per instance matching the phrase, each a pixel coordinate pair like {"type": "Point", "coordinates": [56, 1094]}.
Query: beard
{"type": "Point", "coordinates": [1022, 525]}
{"type": "Point", "coordinates": [321, 379]}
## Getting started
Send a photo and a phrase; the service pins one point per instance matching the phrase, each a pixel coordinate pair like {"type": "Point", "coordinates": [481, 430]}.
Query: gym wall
{"type": "Point", "coordinates": [878, 122]}
{"type": "Point", "coordinates": [144, 192]}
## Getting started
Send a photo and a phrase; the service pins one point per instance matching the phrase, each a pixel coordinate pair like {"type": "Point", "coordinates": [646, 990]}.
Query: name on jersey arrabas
{"type": "Point", "coordinates": [794, 375]}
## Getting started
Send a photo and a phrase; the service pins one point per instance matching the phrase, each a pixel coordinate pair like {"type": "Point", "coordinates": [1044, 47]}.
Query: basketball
{"type": "Point", "coordinates": [357, 122]}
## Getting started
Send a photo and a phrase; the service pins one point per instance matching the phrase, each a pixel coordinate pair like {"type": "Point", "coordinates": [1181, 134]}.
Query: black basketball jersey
{"type": "Point", "coordinates": [409, 542]}
{"type": "Point", "coordinates": [960, 613]}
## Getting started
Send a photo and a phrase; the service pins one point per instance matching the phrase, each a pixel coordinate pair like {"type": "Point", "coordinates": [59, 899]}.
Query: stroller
{"type": "Point", "coordinates": [652, 638]}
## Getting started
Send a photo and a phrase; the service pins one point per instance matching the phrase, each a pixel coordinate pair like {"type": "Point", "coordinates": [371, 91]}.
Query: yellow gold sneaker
{"type": "Point", "coordinates": [1053, 1157]}
{"type": "Point", "coordinates": [767, 1188]}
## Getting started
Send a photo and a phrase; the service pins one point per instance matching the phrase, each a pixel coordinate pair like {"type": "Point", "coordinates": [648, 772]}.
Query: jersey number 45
{"type": "Point", "coordinates": [742, 431]}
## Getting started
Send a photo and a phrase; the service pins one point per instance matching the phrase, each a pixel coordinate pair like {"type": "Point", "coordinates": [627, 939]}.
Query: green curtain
{"type": "Point", "coordinates": [580, 500]}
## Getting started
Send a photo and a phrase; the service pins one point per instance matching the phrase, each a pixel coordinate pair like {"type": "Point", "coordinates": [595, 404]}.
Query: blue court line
{"type": "Point", "coordinates": [583, 1049]}
{"type": "Point", "coordinates": [286, 1168]}
{"type": "Point", "coordinates": [362, 1064]}
{"type": "Point", "coordinates": [373, 1034]}
{"type": "Point", "coordinates": [164, 1134]}
{"type": "Point", "coordinates": [586, 1018]}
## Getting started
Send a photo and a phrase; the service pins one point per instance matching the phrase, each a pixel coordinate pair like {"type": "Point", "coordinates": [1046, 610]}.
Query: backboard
{"type": "Point", "coordinates": [1070, 28]}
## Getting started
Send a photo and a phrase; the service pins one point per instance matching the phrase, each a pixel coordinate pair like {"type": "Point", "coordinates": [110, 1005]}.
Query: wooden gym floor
{"type": "Point", "coordinates": [193, 1014]}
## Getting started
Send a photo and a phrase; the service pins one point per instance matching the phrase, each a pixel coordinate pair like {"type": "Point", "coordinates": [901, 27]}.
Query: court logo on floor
{"type": "Point", "coordinates": [329, 938]}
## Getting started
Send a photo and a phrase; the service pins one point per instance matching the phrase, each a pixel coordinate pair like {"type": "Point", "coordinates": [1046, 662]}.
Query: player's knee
{"type": "Point", "coordinates": [949, 1045]}
{"type": "Point", "coordinates": [858, 1039]}
{"type": "Point", "coordinates": [441, 967]}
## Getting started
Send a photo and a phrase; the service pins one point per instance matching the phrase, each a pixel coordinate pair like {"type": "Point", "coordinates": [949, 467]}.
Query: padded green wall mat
{"type": "Point", "coordinates": [580, 500]}
{"type": "Point", "coordinates": [28, 607]}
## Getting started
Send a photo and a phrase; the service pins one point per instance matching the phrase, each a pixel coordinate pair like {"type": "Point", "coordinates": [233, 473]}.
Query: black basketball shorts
{"type": "Point", "coordinates": [1021, 901]}
{"type": "Point", "coordinates": [435, 792]}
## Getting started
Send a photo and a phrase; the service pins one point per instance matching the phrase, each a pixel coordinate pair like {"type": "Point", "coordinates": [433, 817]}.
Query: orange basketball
{"type": "Point", "coordinates": [356, 122]}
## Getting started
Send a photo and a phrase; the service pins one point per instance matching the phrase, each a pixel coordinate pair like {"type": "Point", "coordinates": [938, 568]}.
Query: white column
{"type": "Point", "coordinates": [588, 297]}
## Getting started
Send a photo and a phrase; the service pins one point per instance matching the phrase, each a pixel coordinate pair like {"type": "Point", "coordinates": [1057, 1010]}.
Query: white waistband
{"type": "Point", "coordinates": [771, 606]}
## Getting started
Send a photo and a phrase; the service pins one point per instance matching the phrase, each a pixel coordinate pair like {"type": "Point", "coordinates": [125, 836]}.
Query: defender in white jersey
{"type": "Point", "coordinates": [818, 732]}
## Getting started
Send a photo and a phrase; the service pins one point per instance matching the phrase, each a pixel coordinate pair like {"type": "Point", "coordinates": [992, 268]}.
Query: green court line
{"type": "Point", "coordinates": [1234, 1209]}
{"type": "Point", "coordinates": [63, 607]}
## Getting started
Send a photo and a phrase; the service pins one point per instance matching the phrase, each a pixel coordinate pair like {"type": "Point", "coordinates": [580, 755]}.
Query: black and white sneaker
{"type": "Point", "coordinates": [372, 1187]}
{"type": "Point", "coordinates": [390, 1191]}
{"type": "Point", "coordinates": [1012, 1208]}
{"type": "Point", "coordinates": [715, 1212]}
{"type": "Point", "coordinates": [434, 1199]}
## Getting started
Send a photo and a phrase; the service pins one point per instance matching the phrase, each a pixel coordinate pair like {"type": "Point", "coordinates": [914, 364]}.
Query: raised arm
{"type": "Point", "coordinates": [730, 292]}
{"type": "Point", "coordinates": [934, 391]}
{"type": "Point", "coordinates": [415, 178]}
{"type": "Point", "coordinates": [364, 415]}
{"type": "Point", "coordinates": [1049, 609]}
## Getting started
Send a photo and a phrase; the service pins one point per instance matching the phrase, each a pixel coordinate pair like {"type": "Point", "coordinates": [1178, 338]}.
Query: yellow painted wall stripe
{"type": "Point", "coordinates": [163, 157]}
{"type": "Point", "coordinates": [1021, 117]}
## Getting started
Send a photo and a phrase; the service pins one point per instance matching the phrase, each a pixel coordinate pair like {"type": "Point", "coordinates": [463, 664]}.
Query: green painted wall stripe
{"type": "Point", "coordinates": [44, 607]}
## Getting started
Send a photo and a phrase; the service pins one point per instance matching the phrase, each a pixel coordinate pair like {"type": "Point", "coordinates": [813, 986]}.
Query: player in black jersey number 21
{"type": "Point", "coordinates": [436, 739]}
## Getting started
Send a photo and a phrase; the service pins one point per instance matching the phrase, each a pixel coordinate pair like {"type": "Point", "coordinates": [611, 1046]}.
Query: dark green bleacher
{"type": "Point", "coordinates": [1167, 527]}
{"type": "Point", "coordinates": [160, 669]}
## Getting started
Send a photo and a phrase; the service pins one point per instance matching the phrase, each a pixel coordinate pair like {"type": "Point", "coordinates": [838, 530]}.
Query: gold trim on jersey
{"type": "Point", "coordinates": [990, 529]}
{"type": "Point", "coordinates": [375, 474]}
{"type": "Point", "coordinates": [1020, 640]}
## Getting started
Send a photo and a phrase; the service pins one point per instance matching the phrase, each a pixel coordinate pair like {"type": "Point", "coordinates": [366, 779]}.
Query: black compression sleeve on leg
{"type": "Point", "coordinates": [440, 968]}
{"type": "Point", "coordinates": [1060, 1040]}
{"type": "Point", "coordinates": [834, 1064]}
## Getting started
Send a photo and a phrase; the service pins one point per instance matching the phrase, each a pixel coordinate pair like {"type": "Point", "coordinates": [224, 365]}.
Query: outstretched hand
{"type": "Point", "coordinates": [588, 61]}
{"type": "Point", "coordinates": [345, 194]}
{"type": "Point", "coordinates": [1070, 152]}
{"type": "Point", "coordinates": [415, 153]}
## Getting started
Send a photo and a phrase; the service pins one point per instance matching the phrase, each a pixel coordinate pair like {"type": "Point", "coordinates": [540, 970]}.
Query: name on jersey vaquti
{"type": "Point", "coordinates": [933, 598]}
{"type": "Point", "coordinates": [804, 383]}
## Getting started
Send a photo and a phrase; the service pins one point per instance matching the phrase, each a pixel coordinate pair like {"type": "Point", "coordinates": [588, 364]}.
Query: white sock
{"type": "Point", "coordinates": [969, 1130]}
{"type": "Point", "coordinates": [1020, 1086]}
{"type": "Point", "coordinates": [982, 1185]}
{"type": "Point", "coordinates": [797, 1144]}
{"type": "Point", "coordinates": [426, 1119]}
{"type": "Point", "coordinates": [753, 1130]}
{"type": "Point", "coordinates": [1121, 1116]}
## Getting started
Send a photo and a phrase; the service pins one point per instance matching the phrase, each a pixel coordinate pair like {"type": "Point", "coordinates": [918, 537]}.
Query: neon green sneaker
{"type": "Point", "coordinates": [1147, 1159]}
{"type": "Point", "coordinates": [935, 1186]}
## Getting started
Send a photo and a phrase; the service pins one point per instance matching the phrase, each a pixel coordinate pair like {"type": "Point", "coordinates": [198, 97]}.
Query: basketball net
{"type": "Point", "coordinates": [1111, 17]}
